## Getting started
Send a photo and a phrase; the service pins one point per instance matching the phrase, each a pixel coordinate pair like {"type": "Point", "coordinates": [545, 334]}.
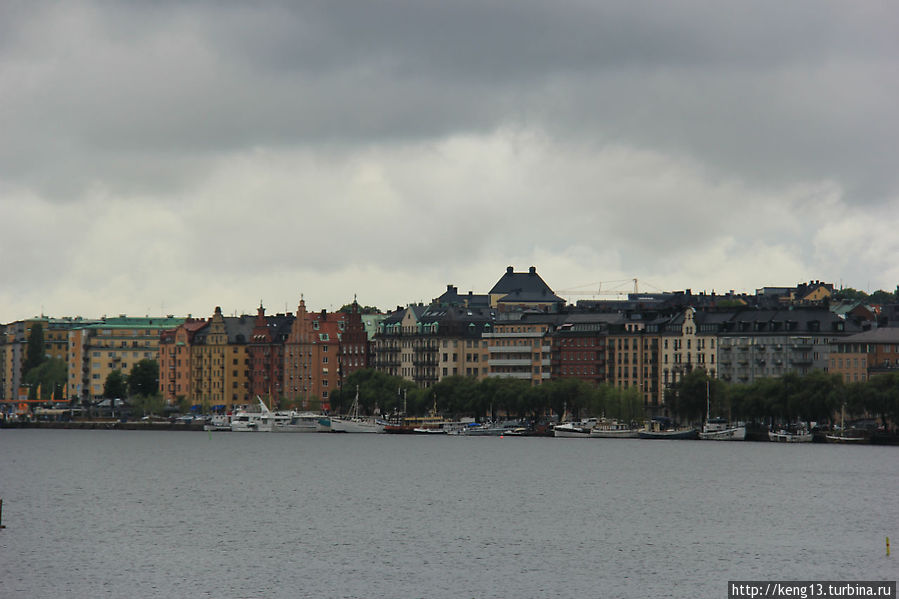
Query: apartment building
{"type": "Point", "coordinates": [14, 338]}
{"type": "Point", "coordinates": [863, 355]}
{"type": "Point", "coordinates": [579, 347]}
{"type": "Point", "coordinates": [175, 359]}
{"type": "Point", "coordinates": [266, 354]}
{"type": "Point", "coordinates": [754, 344]}
{"type": "Point", "coordinates": [354, 345]}
{"type": "Point", "coordinates": [425, 344]}
{"type": "Point", "coordinates": [98, 349]}
{"type": "Point", "coordinates": [220, 363]}
{"type": "Point", "coordinates": [634, 355]}
{"type": "Point", "coordinates": [520, 346]}
{"type": "Point", "coordinates": [312, 357]}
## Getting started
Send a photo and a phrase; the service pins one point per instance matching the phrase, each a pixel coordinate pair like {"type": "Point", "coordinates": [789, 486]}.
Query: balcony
{"type": "Point", "coordinates": [513, 349]}
{"type": "Point", "coordinates": [513, 362]}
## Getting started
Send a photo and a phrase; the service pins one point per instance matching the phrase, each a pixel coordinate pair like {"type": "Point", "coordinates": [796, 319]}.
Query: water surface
{"type": "Point", "coordinates": [181, 514]}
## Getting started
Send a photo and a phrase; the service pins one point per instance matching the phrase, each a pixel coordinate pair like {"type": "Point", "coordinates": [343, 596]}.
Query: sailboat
{"type": "Point", "coordinates": [846, 436]}
{"type": "Point", "coordinates": [719, 429]}
{"type": "Point", "coordinates": [354, 422]}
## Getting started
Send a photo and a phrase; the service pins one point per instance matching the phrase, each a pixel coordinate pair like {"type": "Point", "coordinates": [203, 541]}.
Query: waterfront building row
{"type": "Point", "coordinates": [226, 361]}
{"type": "Point", "coordinates": [520, 329]}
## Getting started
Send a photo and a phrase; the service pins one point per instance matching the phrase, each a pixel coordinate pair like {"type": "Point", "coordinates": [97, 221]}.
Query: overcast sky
{"type": "Point", "coordinates": [167, 158]}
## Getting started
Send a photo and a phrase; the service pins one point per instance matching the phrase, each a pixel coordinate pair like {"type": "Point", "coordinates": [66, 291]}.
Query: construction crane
{"type": "Point", "coordinates": [599, 288]}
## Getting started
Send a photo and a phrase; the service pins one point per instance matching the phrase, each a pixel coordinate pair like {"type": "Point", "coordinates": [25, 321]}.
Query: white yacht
{"type": "Point", "coordinates": [243, 421]}
{"type": "Point", "coordinates": [574, 430]}
{"type": "Point", "coordinates": [299, 422]}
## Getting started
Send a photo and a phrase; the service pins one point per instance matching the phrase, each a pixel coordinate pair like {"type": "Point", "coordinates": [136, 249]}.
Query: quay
{"type": "Point", "coordinates": [105, 424]}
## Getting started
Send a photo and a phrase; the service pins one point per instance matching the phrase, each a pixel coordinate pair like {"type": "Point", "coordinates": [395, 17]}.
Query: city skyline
{"type": "Point", "coordinates": [166, 159]}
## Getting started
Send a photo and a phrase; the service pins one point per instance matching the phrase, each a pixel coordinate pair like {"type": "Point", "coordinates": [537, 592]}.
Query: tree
{"type": "Point", "coordinates": [35, 352]}
{"type": "Point", "coordinates": [689, 395]}
{"type": "Point", "coordinates": [382, 391]}
{"type": "Point", "coordinates": [50, 377]}
{"type": "Point", "coordinates": [144, 405]}
{"type": "Point", "coordinates": [144, 378]}
{"type": "Point", "coordinates": [362, 309]}
{"type": "Point", "coordinates": [116, 385]}
{"type": "Point", "coordinates": [848, 293]}
{"type": "Point", "coordinates": [881, 297]}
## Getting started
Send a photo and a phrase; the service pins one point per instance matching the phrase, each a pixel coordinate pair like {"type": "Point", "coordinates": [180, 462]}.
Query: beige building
{"type": "Point", "coordinates": [425, 344]}
{"type": "Point", "coordinates": [684, 347]}
{"type": "Point", "coordinates": [520, 347]}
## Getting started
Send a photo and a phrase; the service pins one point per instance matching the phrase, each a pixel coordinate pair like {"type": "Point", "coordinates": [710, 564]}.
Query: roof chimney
{"type": "Point", "coordinates": [532, 270]}
{"type": "Point", "coordinates": [509, 270]}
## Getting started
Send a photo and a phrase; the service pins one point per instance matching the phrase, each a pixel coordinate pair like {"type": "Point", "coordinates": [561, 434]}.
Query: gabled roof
{"type": "Point", "coordinates": [452, 297]}
{"type": "Point", "coordinates": [239, 328]}
{"type": "Point", "coordinates": [524, 287]}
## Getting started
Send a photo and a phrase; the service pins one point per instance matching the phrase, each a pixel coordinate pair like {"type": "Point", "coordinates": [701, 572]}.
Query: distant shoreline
{"type": "Point", "coordinates": [879, 438]}
{"type": "Point", "coordinates": [105, 424]}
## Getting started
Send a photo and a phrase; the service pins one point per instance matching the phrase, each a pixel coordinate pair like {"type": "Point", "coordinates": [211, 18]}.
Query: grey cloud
{"type": "Point", "coordinates": [127, 93]}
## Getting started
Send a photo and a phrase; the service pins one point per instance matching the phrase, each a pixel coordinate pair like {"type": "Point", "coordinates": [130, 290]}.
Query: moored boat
{"type": "Point", "coordinates": [719, 429]}
{"type": "Point", "coordinates": [852, 436]}
{"type": "Point", "coordinates": [691, 433]}
{"type": "Point", "coordinates": [354, 422]}
{"type": "Point", "coordinates": [356, 425]}
{"type": "Point", "coordinates": [218, 422]}
{"type": "Point", "coordinates": [574, 430]}
{"type": "Point", "coordinates": [244, 421]}
{"type": "Point", "coordinates": [662, 429]}
{"type": "Point", "coordinates": [299, 422]}
{"type": "Point", "coordinates": [794, 434]}
{"type": "Point", "coordinates": [490, 430]}
{"type": "Point", "coordinates": [612, 429]}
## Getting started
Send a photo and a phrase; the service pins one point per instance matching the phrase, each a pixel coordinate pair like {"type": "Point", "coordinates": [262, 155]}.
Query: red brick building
{"type": "Point", "coordinates": [312, 357]}
{"type": "Point", "coordinates": [266, 355]}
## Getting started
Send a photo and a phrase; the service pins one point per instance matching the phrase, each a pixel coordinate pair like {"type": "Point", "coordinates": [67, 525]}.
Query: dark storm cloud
{"type": "Point", "coordinates": [759, 90]}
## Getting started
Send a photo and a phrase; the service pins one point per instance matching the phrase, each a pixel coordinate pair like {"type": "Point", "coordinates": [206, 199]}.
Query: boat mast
{"type": "Point", "coordinates": [708, 401]}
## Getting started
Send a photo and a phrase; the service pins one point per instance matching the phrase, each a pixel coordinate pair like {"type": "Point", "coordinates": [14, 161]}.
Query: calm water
{"type": "Point", "coordinates": [178, 514]}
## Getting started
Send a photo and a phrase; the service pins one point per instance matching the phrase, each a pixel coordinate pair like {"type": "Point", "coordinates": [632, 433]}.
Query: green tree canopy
{"type": "Point", "coordinates": [144, 378]}
{"type": "Point", "coordinates": [35, 351]}
{"type": "Point", "coordinates": [50, 377]}
{"type": "Point", "coordinates": [690, 396]}
{"type": "Point", "coordinates": [362, 309]}
{"type": "Point", "coordinates": [116, 385]}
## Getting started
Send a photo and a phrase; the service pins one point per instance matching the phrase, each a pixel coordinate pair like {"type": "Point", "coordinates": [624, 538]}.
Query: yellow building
{"type": "Point", "coordinates": [633, 359]}
{"type": "Point", "coordinates": [220, 364]}
{"type": "Point", "coordinates": [14, 344]}
{"type": "Point", "coordinates": [96, 350]}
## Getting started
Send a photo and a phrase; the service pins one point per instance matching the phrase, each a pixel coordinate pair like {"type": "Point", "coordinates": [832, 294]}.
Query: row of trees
{"type": "Point", "coordinates": [487, 399]}
{"type": "Point", "coordinates": [814, 397]}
